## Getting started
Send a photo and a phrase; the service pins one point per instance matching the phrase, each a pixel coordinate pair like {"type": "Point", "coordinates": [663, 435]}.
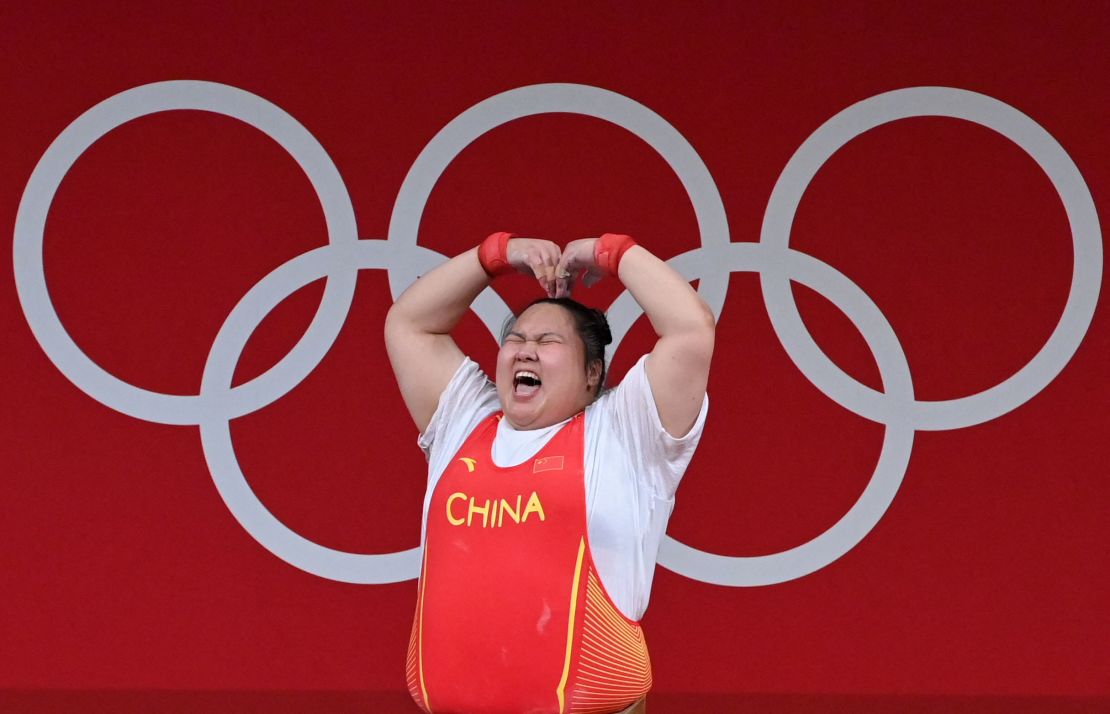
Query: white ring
{"type": "Point", "coordinates": [55, 163]}
{"type": "Point", "coordinates": [894, 456]}
{"type": "Point", "coordinates": [1086, 243]}
{"type": "Point", "coordinates": [615, 108]}
{"type": "Point", "coordinates": [215, 431]}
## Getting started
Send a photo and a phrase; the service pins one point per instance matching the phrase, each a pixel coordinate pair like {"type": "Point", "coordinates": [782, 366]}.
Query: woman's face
{"type": "Point", "coordinates": [541, 369]}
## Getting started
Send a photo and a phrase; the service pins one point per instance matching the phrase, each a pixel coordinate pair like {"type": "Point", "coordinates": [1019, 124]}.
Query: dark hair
{"type": "Point", "coordinates": [589, 323]}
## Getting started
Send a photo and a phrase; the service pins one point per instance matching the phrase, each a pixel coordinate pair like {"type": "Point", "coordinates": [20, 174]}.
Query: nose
{"type": "Point", "coordinates": [526, 352]}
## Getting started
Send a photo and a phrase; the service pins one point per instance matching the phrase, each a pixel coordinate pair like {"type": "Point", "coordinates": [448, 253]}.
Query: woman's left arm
{"type": "Point", "coordinates": [678, 366]}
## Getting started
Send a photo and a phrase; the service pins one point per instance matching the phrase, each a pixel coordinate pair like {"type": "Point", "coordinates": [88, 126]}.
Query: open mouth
{"type": "Point", "coordinates": [526, 383]}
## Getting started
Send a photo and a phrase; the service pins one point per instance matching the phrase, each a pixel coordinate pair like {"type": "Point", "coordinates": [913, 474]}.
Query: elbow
{"type": "Point", "coordinates": [706, 329]}
{"type": "Point", "coordinates": [706, 316]}
{"type": "Point", "coordinates": [392, 317]}
{"type": "Point", "coordinates": [702, 322]}
{"type": "Point", "coordinates": [699, 333]}
{"type": "Point", "coordinates": [396, 322]}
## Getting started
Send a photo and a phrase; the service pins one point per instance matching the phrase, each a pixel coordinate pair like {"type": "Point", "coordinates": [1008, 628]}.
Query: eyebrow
{"type": "Point", "coordinates": [538, 337]}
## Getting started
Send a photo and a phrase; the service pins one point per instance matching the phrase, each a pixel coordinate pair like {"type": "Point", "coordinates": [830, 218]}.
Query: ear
{"type": "Point", "coordinates": [593, 375]}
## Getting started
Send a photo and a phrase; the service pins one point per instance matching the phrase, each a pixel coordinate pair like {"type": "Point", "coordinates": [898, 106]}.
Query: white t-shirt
{"type": "Point", "coordinates": [633, 467]}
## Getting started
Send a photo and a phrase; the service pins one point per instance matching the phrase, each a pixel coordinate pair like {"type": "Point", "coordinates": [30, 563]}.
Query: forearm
{"type": "Point", "coordinates": [672, 306]}
{"type": "Point", "coordinates": [418, 326]}
{"type": "Point", "coordinates": [436, 302]}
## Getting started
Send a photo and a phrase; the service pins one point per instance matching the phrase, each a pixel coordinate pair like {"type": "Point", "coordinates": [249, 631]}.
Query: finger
{"type": "Point", "coordinates": [562, 282]}
{"type": "Point", "coordinates": [551, 272]}
{"type": "Point", "coordinates": [561, 270]}
{"type": "Point", "coordinates": [542, 277]}
{"type": "Point", "coordinates": [569, 264]}
{"type": "Point", "coordinates": [554, 254]}
{"type": "Point", "coordinates": [568, 286]}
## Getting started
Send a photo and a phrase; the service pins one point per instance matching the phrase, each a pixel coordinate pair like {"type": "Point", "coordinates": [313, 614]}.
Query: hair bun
{"type": "Point", "coordinates": [603, 332]}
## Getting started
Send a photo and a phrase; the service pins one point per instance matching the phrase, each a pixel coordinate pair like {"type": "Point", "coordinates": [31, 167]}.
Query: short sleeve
{"type": "Point", "coordinates": [468, 398]}
{"type": "Point", "coordinates": [658, 457]}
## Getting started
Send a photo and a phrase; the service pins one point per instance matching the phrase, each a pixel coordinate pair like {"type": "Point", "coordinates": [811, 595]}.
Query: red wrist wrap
{"type": "Point", "coordinates": [493, 255]}
{"type": "Point", "coordinates": [608, 251]}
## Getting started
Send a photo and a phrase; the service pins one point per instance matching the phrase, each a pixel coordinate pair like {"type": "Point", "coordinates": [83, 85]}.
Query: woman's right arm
{"type": "Point", "coordinates": [418, 326]}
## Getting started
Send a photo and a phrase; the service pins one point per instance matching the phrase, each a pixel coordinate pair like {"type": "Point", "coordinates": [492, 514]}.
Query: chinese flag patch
{"type": "Point", "coordinates": [548, 463]}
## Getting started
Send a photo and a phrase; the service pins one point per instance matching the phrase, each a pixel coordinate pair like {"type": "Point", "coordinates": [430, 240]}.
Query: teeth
{"type": "Point", "coordinates": [526, 377]}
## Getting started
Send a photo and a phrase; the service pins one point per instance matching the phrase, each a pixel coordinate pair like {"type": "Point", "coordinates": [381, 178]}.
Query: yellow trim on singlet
{"type": "Point", "coordinates": [570, 626]}
{"type": "Point", "coordinates": [420, 638]}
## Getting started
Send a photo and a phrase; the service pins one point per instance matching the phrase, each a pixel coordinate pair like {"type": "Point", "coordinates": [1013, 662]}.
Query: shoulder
{"type": "Point", "coordinates": [625, 420]}
{"type": "Point", "coordinates": [469, 397]}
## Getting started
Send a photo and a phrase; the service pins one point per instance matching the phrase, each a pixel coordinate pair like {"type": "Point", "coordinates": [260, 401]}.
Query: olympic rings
{"type": "Point", "coordinates": [712, 263]}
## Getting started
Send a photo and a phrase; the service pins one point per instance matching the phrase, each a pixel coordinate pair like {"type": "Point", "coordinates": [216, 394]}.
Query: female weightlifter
{"type": "Point", "coordinates": [548, 495]}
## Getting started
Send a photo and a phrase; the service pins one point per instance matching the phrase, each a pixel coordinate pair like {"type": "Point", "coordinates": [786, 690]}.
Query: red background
{"type": "Point", "coordinates": [988, 575]}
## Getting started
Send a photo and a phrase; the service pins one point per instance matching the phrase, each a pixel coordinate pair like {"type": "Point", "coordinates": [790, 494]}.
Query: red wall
{"type": "Point", "coordinates": [987, 575]}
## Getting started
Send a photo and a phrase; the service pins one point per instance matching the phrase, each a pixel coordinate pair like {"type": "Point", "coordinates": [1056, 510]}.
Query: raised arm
{"type": "Point", "coordinates": [418, 327]}
{"type": "Point", "coordinates": [678, 366]}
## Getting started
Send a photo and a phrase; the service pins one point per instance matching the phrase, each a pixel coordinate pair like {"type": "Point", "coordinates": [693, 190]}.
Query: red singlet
{"type": "Point", "coordinates": [511, 615]}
